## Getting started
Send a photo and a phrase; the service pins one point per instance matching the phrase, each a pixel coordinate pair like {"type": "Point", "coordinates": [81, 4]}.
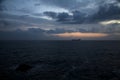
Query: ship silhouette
{"type": "Point", "coordinates": [76, 39]}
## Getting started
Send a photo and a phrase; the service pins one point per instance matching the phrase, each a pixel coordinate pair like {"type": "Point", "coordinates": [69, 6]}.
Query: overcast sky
{"type": "Point", "coordinates": [59, 19]}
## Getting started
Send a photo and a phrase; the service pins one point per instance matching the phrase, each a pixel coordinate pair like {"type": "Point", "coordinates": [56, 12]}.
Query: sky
{"type": "Point", "coordinates": [59, 19]}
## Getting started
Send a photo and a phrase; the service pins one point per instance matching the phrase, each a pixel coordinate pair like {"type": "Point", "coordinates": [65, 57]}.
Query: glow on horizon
{"type": "Point", "coordinates": [80, 35]}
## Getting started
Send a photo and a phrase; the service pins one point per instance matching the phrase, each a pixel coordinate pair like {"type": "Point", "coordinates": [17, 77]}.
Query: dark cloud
{"type": "Point", "coordinates": [9, 25]}
{"type": "Point", "coordinates": [51, 14]}
{"type": "Point", "coordinates": [63, 17]}
{"type": "Point", "coordinates": [80, 9]}
{"type": "Point", "coordinates": [113, 12]}
{"type": "Point", "coordinates": [13, 22]}
{"type": "Point", "coordinates": [118, 0]}
{"type": "Point", "coordinates": [1, 1]}
{"type": "Point", "coordinates": [1, 6]}
{"type": "Point", "coordinates": [78, 17]}
{"type": "Point", "coordinates": [60, 3]}
{"type": "Point", "coordinates": [31, 34]}
{"type": "Point", "coordinates": [83, 30]}
{"type": "Point", "coordinates": [58, 16]}
{"type": "Point", "coordinates": [105, 12]}
{"type": "Point", "coordinates": [57, 31]}
{"type": "Point", "coordinates": [70, 15]}
{"type": "Point", "coordinates": [62, 30]}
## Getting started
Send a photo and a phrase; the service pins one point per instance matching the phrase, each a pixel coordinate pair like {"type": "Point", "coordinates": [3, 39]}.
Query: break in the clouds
{"type": "Point", "coordinates": [92, 19]}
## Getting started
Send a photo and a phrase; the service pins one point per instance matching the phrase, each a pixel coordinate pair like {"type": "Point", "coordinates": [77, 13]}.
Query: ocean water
{"type": "Point", "coordinates": [60, 60]}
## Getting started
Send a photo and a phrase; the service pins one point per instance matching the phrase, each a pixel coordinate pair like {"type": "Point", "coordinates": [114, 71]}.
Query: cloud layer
{"type": "Point", "coordinates": [58, 17]}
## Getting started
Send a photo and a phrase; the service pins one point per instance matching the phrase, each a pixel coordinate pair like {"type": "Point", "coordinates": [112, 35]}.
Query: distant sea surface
{"type": "Point", "coordinates": [60, 60]}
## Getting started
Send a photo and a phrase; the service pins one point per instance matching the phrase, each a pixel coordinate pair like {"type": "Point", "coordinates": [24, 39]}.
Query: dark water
{"type": "Point", "coordinates": [60, 60]}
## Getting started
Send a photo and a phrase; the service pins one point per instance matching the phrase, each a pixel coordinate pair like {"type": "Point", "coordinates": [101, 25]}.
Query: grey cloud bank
{"type": "Point", "coordinates": [58, 16]}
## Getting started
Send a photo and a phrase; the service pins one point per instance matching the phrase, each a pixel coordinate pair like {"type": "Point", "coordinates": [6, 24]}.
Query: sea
{"type": "Point", "coordinates": [59, 60]}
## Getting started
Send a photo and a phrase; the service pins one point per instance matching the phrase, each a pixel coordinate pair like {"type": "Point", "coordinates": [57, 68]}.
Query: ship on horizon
{"type": "Point", "coordinates": [76, 39]}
